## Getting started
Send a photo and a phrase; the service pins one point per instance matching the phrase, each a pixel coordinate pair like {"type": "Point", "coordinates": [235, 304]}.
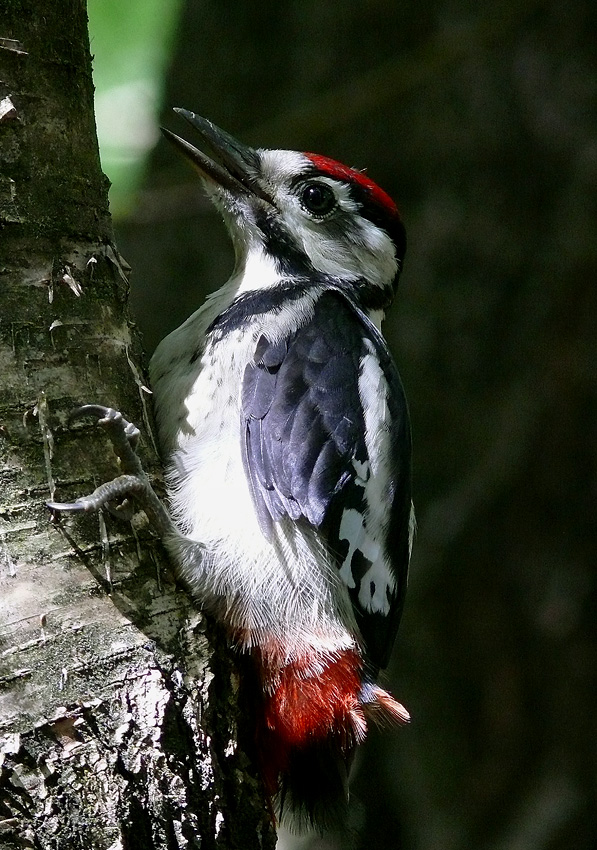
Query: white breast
{"type": "Point", "coordinates": [208, 487]}
{"type": "Point", "coordinates": [283, 588]}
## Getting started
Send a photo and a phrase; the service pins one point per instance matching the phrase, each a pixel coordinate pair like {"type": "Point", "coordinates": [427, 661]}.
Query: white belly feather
{"type": "Point", "coordinates": [286, 588]}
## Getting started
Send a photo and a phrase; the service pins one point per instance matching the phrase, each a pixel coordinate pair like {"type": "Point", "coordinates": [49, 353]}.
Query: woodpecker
{"type": "Point", "coordinates": [285, 435]}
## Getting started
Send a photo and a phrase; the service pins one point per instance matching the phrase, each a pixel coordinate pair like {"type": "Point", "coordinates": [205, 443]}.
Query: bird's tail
{"type": "Point", "coordinates": [313, 713]}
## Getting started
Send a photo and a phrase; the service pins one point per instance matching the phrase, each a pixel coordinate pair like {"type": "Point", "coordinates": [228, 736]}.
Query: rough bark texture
{"type": "Point", "coordinates": [118, 720]}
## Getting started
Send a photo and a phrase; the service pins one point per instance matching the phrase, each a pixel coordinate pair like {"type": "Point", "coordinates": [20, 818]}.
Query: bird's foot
{"type": "Point", "coordinates": [133, 484]}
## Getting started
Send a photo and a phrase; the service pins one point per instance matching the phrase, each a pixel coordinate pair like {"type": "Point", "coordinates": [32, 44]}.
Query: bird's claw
{"type": "Point", "coordinates": [70, 507]}
{"type": "Point", "coordinates": [133, 484]}
{"type": "Point", "coordinates": [113, 495]}
{"type": "Point", "coordinates": [124, 437]}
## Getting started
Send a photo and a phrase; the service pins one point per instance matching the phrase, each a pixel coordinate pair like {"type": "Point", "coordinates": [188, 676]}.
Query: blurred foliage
{"type": "Point", "coordinates": [131, 43]}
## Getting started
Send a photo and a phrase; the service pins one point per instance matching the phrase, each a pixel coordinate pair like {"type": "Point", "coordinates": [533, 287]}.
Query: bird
{"type": "Point", "coordinates": [285, 434]}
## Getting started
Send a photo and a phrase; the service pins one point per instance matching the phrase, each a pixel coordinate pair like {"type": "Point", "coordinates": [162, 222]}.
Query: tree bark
{"type": "Point", "coordinates": [118, 718]}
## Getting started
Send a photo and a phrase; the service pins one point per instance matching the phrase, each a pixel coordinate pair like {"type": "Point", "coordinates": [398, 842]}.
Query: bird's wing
{"type": "Point", "coordinates": [326, 439]}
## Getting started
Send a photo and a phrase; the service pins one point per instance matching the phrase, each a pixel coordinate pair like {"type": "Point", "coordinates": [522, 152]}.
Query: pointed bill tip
{"type": "Point", "coordinates": [168, 134]}
{"type": "Point", "coordinates": [190, 151]}
{"type": "Point", "coordinates": [185, 113]}
{"type": "Point", "coordinates": [206, 128]}
{"type": "Point", "coordinates": [235, 166]}
{"type": "Point", "coordinates": [206, 167]}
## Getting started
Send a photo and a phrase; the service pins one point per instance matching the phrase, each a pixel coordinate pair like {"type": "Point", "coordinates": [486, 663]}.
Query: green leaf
{"type": "Point", "coordinates": [131, 43]}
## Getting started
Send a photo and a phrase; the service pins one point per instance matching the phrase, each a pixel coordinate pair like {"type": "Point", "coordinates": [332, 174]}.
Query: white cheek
{"type": "Point", "coordinates": [369, 254]}
{"type": "Point", "coordinates": [327, 255]}
{"type": "Point", "coordinates": [378, 259]}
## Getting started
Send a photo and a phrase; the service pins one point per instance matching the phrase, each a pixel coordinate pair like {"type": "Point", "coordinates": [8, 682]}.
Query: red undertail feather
{"type": "Point", "coordinates": [314, 712]}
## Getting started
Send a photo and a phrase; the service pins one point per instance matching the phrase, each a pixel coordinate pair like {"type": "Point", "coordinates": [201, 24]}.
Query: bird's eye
{"type": "Point", "coordinates": [318, 198]}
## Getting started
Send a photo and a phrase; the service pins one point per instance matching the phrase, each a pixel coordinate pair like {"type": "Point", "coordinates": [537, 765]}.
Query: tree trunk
{"type": "Point", "coordinates": [118, 719]}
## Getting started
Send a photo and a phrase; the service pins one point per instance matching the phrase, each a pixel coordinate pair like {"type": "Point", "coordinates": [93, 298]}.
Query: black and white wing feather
{"type": "Point", "coordinates": [326, 440]}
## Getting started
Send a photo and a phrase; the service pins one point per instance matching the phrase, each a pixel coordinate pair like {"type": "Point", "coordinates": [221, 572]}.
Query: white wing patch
{"type": "Point", "coordinates": [352, 529]}
{"type": "Point", "coordinates": [366, 533]}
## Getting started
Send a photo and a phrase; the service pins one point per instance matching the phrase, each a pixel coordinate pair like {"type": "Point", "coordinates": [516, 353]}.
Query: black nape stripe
{"type": "Point", "coordinates": [379, 216]}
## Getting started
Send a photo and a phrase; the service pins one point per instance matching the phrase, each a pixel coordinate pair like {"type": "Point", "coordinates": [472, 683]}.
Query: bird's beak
{"type": "Point", "coordinates": [235, 166]}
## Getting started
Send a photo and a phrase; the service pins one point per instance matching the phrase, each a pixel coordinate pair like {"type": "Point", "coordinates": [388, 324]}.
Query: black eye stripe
{"type": "Point", "coordinates": [317, 198]}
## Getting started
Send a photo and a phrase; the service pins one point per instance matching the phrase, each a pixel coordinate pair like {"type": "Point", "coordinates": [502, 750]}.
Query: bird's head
{"type": "Point", "coordinates": [305, 213]}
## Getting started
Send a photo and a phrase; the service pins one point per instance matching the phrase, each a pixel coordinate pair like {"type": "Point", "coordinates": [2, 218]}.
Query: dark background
{"type": "Point", "coordinates": [480, 120]}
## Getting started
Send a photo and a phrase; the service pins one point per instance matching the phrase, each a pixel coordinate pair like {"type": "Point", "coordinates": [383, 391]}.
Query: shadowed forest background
{"type": "Point", "coordinates": [480, 120]}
